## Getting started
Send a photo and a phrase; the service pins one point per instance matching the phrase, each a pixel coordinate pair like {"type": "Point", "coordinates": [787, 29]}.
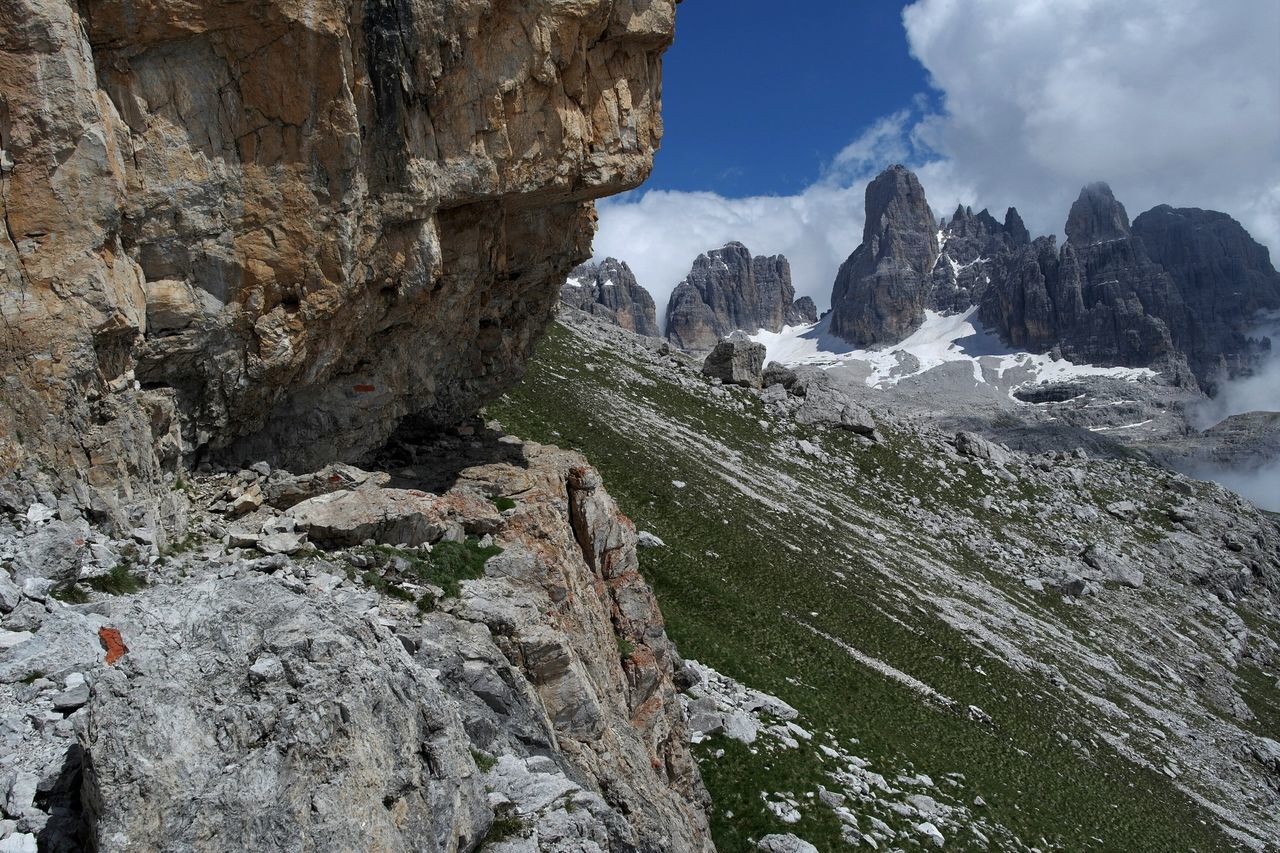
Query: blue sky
{"type": "Point", "coordinates": [758, 95]}
{"type": "Point", "coordinates": [777, 115]}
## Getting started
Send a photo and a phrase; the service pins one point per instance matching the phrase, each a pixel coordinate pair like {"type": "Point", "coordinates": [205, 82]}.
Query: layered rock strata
{"type": "Point", "coordinates": [266, 694]}
{"type": "Point", "coordinates": [273, 230]}
{"type": "Point", "coordinates": [881, 291]}
{"type": "Point", "coordinates": [610, 291]}
{"type": "Point", "coordinates": [1180, 290]}
{"type": "Point", "coordinates": [727, 290]}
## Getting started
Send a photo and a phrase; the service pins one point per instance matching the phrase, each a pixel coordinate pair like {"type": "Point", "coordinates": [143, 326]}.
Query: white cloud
{"type": "Point", "coordinates": [660, 232]}
{"type": "Point", "coordinates": [1170, 101]}
{"type": "Point", "coordinates": [1174, 101]}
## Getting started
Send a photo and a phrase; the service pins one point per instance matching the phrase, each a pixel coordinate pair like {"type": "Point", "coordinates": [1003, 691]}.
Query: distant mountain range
{"type": "Point", "coordinates": [1178, 290]}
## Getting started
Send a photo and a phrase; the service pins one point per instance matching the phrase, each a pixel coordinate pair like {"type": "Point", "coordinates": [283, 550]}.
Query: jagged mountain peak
{"type": "Point", "coordinates": [729, 289]}
{"type": "Point", "coordinates": [1096, 217]}
{"type": "Point", "coordinates": [895, 202]}
{"type": "Point", "coordinates": [610, 291]}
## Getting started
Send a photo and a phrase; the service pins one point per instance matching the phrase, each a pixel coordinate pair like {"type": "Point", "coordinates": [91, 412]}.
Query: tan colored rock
{"type": "Point", "coordinates": [306, 219]}
{"type": "Point", "coordinates": [558, 601]}
{"type": "Point", "coordinates": [392, 516]}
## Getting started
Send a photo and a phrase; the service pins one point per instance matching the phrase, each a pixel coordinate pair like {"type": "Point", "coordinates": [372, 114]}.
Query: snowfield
{"type": "Point", "coordinates": [941, 339]}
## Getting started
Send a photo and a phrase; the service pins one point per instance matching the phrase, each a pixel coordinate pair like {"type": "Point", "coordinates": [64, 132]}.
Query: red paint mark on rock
{"type": "Point", "coordinates": [365, 389]}
{"type": "Point", "coordinates": [113, 643]}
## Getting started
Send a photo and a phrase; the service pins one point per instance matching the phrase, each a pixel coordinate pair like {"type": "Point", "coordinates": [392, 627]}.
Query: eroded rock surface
{"type": "Point", "coordinates": [354, 697]}
{"type": "Point", "coordinates": [271, 230]}
{"type": "Point", "coordinates": [1181, 290]}
{"type": "Point", "coordinates": [609, 290]}
{"type": "Point", "coordinates": [730, 290]}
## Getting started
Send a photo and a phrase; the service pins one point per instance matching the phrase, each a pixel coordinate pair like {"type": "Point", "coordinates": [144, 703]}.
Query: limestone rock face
{"type": "Point", "coordinates": [1179, 291]}
{"type": "Point", "coordinates": [610, 291]}
{"type": "Point", "coordinates": [272, 230]}
{"type": "Point", "coordinates": [1100, 300]}
{"type": "Point", "coordinates": [238, 701]}
{"type": "Point", "coordinates": [1224, 276]}
{"type": "Point", "coordinates": [881, 291]}
{"type": "Point", "coordinates": [730, 290]}
{"type": "Point", "coordinates": [737, 362]}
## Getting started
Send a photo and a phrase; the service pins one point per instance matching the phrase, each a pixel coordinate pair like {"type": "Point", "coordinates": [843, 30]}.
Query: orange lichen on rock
{"type": "Point", "coordinates": [113, 643]}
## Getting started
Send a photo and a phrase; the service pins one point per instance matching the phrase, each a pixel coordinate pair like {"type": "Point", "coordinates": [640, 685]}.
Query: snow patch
{"type": "Point", "coordinates": [941, 338]}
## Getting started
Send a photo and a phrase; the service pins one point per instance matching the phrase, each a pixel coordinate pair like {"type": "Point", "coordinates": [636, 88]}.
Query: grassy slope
{"type": "Point", "coordinates": [739, 582]}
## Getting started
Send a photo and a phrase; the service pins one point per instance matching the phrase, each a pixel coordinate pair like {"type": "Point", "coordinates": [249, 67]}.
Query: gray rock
{"type": "Point", "coordinates": [785, 843]}
{"type": "Point", "coordinates": [1113, 565]}
{"type": "Point", "coordinates": [777, 374]}
{"type": "Point", "coordinates": [728, 290]}
{"type": "Point", "coordinates": [285, 490]}
{"type": "Point", "coordinates": [71, 698]}
{"type": "Point", "coordinates": [37, 589]}
{"type": "Point", "coordinates": [55, 552]}
{"type": "Point", "coordinates": [645, 539]}
{"type": "Point", "coordinates": [609, 290]}
{"type": "Point", "coordinates": [737, 362]}
{"type": "Point", "coordinates": [825, 402]}
{"type": "Point", "coordinates": [19, 842]}
{"type": "Point", "coordinates": [10, 594]}
{"type": "Point", "coordinates": [976, 447]}
{"type": "Point", "coordinates": [281, 543]}
{"type": "Point", "coordinates": [391, 516]}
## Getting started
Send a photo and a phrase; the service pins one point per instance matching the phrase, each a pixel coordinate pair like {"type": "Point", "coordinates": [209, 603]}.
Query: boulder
{"type": "Point", "coordinates": [284, 490]}
{"type": "Point", "coordinates": [54, 552]}
{"type": "Point", "coordinates": [826, 403]}
{"type": "Point", "coordinates": [976, 447]}
{"type": "Point", "coordinates": [785, 843]}
{"type": "Point", "coordinates": [736, 362]}
{"type": "Point", "coordinates": [390, 516]}
{"type": "Point", "coordinates": [777, 374]}
{"type": "Point", "coordinates": [1114, 566]}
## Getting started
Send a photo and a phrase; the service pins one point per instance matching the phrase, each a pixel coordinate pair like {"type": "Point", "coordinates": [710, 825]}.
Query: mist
{"type": "Point", "coordinates": [1259, 392]}
{"type": "Point", "coordinates": [1259, 485]}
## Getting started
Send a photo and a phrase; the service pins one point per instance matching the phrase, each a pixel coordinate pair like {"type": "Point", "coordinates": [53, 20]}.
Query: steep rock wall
{"type": "Point", "coordinates": [273, 228]}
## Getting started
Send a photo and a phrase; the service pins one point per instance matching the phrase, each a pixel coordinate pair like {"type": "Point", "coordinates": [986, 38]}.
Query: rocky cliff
{"type": "Point", "coordinates": [881, 290]}
{"type": "Point", "coordinates": [488, 666]}
{"type": "Point", "coordinates": [272, 230]}
{"type": "Point", "coordinates": [1179, 290]}
{"type": "Point", "coordinates": [610, 291]}
{"type": "Point", "coordinates": [729, 289]}
{"type": "Point", "coordinates": [1224, 277]}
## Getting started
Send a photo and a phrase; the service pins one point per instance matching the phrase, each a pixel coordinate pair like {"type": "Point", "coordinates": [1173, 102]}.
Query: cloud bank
{"type": "Point", "coordinates": [1170, 101]}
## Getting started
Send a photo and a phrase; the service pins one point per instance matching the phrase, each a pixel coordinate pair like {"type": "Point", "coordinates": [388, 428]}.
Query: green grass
{"type": "Point", "coordinates": [505, 825]}
{"type": "Point", "coordinates": [71, 594]}
{"type": "Point", "coordinates": [1261, 692]}
{"type": "Point", "coordinates": [121, 580]}
{"type": "Point", "coordinates": [483, 760]}
{"type": "Point", "coordinates": [445, 566]}
{"type": "Point", "coordinates": [737, 596]}
{"type": "Point", "coordinates": [503, 503]}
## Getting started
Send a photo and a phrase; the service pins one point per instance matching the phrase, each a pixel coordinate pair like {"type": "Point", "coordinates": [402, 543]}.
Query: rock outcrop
{"type": "Point", "coordinates": [1224, 277]}
{"type": "Point", "coordinates": [1100, 300]}
{"type": "Point", "coordinates": [729, 290]}
{"type": "Point", "coordinates": [881, 291]}
{"type": "Point", "coordinates": [736, 362]}
{"type": "Point", "coordinates": [355, 697]}
{"type": "Point", "coordinates": [273, 230]}
{"type": "Point", "coordinates": [610, 291]}
{"type": "Point", "coordinates": [1178, 291]}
